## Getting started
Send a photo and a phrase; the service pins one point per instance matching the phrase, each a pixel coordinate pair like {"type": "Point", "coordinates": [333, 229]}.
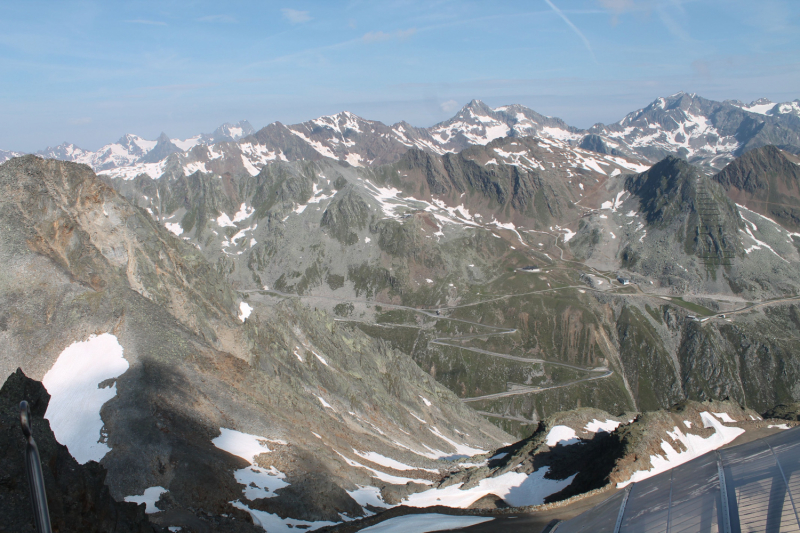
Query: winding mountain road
{"type": "Point", "coordinates": [452, 341]}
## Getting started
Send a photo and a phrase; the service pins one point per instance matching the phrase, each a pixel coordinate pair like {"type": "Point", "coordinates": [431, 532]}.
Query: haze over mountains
{"type": "Point", "coordinates": [306, 325]}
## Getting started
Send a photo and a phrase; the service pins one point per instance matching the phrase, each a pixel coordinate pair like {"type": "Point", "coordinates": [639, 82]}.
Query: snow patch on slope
{"type": "Point", "coordinates": [695, 447]}
{"type": "Point", "coordinates": [275, 524]}
{"type": "Point", "coordinates": [76, 396]}
{"type": "Point", "coordinates": [149, 498]}
{"type": "Point", "coordinates": [596, 425]}
{"type": "Point", "coordinates": [516, 488]}
{"type": "Point", "coordinates": [388, 478]}
{"type": "Point", "coordinates": [243, 445]}
{"type": "Point", "coordinates": [563, 435]}
{"type": "Point", "coordinates": [244, 311]}
{"type": "Point", "coordinates": [388, 462]}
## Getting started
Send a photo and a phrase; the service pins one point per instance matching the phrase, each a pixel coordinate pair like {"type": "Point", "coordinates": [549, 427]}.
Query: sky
{"type": "Point", "coordinates": [88, 72]}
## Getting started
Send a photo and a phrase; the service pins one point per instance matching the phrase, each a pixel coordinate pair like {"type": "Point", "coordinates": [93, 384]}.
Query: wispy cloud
{"type": "Point", "coordinates": [80, 121]}
{"type": "Point", "coordinates": [377, 36]}
{"type": "Point", "coordinates": [150, 22]}
{"type": "Point", "coordinates": [671, 23]}
{"type": "Point", "coordinates": [670, 12]}
{"type": "Point", "coordinates": [294, 16]}
{"type": "Point", "coordinates": [449, 106]}
{"type": "Point", "coordinates": [218, 18]}
{"type": "Point", "coordinates": [296, 56]}
{"type": "Point", "coordinates": [405, 34]}
{"type": "Point", "coordinates": [574, 28]}
{"type": "Point", "coordinates": [701, 68]}
{"type": "Point", "coordinates": [617, 7]}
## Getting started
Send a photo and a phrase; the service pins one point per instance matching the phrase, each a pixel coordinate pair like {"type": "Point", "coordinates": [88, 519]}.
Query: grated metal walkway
{"type": "Point", "coordinates": [754, 487]}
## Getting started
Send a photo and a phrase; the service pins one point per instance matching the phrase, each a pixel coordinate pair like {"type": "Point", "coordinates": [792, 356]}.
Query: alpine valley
{"type": "Point", "coordinates": [328, 324]}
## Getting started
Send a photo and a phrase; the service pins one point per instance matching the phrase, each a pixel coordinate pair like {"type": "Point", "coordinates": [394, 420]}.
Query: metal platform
{"type": "Point", "coordinates": [754, 487]}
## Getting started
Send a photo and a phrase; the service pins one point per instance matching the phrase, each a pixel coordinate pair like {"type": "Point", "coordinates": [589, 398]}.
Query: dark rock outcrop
{"type": "Point", "coordinates": [347, 212]}
{"type": "Point", "coordinates": [785, 411]}
{"type": "Point", "coordinates": [595, 143]}
{"type": "Point", "coordinates": [766, 181]}
{"type": "Point", "coordinates": [674, 195]}
{"type": "Point", "coordinates": [77, 496]}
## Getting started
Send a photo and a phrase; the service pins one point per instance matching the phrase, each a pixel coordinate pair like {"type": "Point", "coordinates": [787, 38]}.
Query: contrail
{"type": "Point", "coordinates": [574, 28]}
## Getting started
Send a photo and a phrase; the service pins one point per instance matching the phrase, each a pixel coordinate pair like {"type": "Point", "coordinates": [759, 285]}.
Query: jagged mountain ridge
{"type": "Point", "coordinates": [764, 106]}
{"type": "Point", "coordinates": [5, 155]}
{"type": "Point", "coordinates": [132, 150]}
{"type": "Point", "coordinates": [708, 133]}
{"type": "Point", "coordinates": [248, 222]}
{"type": "Point", "coordinates": [705, 132]}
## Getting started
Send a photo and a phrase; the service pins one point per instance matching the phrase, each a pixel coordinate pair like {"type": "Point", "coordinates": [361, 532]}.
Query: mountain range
{"type": "Point", "coordinates": [312, 326]}
{"type": "Point", "coordinates": [707, 133]}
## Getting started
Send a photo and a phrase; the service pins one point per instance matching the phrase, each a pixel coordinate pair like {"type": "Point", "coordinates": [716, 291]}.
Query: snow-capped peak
{"type": "Point", "coordinates": [230, 132]}
{"type": "Point", "coordinates": [341, 122]}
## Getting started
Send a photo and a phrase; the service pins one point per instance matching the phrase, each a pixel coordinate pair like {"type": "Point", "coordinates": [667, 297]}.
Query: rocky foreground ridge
{"type": "Point", "coordinates": [588, 451]}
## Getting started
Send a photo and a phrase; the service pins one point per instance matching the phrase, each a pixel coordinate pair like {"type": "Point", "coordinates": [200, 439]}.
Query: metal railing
{"type": "Point", "coordinates": [33, 467]}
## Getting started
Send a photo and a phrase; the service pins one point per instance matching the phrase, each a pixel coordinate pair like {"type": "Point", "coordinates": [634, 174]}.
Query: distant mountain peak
{"type": "Point", "coordinates": [477, 106]}
{"type": "Point", "coordinates": [228, 131]}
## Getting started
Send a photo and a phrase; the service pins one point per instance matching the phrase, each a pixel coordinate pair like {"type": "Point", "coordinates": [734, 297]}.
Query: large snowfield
{"type": "Point", "coordinates": [78, 392]}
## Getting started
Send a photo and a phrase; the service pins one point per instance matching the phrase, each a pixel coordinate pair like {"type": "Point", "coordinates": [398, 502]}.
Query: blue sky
{"type": "Point", "coordinates": [88, 72]}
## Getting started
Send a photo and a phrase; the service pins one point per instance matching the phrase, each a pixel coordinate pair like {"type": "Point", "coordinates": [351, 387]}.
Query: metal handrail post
{"type": "Point", "coordinates": [33, 468]}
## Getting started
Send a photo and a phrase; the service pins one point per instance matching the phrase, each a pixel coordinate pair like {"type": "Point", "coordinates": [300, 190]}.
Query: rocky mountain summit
{"type": "Point", "coordinates": [705, 132]}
